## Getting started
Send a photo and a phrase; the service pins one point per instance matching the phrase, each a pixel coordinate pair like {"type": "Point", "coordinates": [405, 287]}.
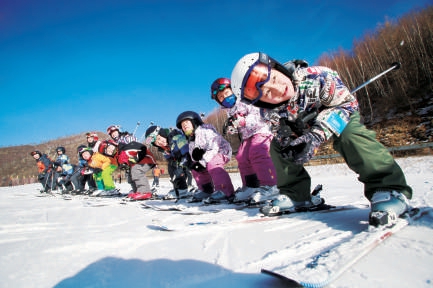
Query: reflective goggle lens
{"type": "Point", "coordinates": [256, 76]}
{"type": "Point", "coordinates": [218, 88]}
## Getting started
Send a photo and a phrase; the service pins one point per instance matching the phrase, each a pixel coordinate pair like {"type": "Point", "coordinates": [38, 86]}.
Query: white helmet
{"type": "Point", "coordinates": [240, 70]}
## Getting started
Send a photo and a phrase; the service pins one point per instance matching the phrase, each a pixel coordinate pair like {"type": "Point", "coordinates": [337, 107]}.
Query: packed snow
{"type": "Point", "coordinates": [100, 242]}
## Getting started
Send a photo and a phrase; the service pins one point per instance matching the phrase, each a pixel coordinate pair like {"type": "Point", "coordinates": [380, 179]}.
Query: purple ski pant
{"type": "Point", "coordinates": [215, 174]}
{"type": "Point", "coordinates": [253, 158]}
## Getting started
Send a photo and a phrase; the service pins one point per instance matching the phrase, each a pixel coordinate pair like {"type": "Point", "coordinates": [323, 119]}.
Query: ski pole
{"type": "Point", "coordinates": [394, 66]}
{"type": "Point", "coordinates": [136, 126]}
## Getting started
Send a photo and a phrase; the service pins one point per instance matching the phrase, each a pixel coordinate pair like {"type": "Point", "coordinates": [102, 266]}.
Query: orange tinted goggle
{"type": "Point", "coordinates": [257, 75]}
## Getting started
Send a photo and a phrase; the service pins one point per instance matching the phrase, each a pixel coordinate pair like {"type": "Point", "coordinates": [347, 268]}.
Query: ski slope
{"type": "Point", "coordinates": [52, 242]}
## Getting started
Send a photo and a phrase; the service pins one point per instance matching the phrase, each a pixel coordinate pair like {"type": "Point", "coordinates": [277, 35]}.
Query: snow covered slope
{"type": "Point", "coordinates": [52, 242]}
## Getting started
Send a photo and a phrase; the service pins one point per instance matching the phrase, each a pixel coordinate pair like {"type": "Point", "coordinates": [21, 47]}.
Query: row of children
{"type": "Point", "coordinates": [283, 112]}
{"type": "Point", "coordinates": [96, 163]}
{"type": "Point", "coordinates": [286, 111]}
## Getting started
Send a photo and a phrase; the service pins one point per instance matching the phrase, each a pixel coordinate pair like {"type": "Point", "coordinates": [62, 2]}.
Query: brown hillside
{"type": "Point", "coordinates": [18, 167]}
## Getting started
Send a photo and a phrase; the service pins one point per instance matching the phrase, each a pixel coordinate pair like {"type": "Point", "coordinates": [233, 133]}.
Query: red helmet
{"type": "Point", "coordinates": [36, 152]}
{"type": "Point", "coordinates": [113, 128]}
{"type": "Point", "coordinates": [92, 134]}
{"type": "Point", "coordinates": [219, 85]}
{"type": "Point", "coordinates": [104, 145]}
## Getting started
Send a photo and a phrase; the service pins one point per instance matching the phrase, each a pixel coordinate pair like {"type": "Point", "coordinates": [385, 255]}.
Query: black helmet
{"type": "Point", "coordinates": [151, 134]}
{"type": "Point", "coordinates": [79, 148]}
{"type": "Point", "coordinates": [90, 150]}
{"type": "Point", "coordinates": [60, 148]}
{"type": "Point", "coordinates": [190, 115]}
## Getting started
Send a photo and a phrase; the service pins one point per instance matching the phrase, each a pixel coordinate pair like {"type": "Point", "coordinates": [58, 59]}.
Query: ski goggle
{"type": "Point", "coordinates": [218, 88]}
{"type": "Point", "coordinates": [90, 134]}
{"type": "Point", "coordinates": [257, 75]}
{"type": "Point", "coordinates": [151, 138]}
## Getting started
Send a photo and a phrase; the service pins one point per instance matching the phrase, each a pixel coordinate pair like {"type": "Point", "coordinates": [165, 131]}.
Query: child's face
{"type": "Point", "coordinates": [161, 141]}
{"type": "Point", "coordinates": [114, 134]}
{"type": "Point", "coordinates": [273, 86]}
{"type": "Point", "coordinates": [89, 139]}
{"type": "Point", "coordinates": [86, 155]}
{"type": "Point", "coordinates": [221, 95]}
{"type": "Point", "coordinates": [278, 89]}
{"type": "Point", "coordinates": [187, 127]}
{"type": "Point", "coordinates": [36, 156]}
{"type": "Point", "coordinates": [111, 150]}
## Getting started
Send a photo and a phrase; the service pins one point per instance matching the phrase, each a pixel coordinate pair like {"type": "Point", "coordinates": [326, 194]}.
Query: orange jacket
{"type": "Point", "coordinates": [156, 172]}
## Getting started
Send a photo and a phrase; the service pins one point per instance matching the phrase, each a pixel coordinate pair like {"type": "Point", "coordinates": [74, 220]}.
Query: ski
{"type": "Point", "coordinates": [262, 218]}
{"type": "Point", "coordinates": [180, 209]}
{"type": "Point", "coordinates": [325, 267]}
{"type": "Point", "coordinates": [158, 225]}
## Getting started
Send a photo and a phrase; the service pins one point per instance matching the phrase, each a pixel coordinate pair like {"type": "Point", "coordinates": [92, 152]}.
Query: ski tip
{"type": "Point", "coordinates": [288, 281]}
{"type": "Point", "coordinates": [160, 228]}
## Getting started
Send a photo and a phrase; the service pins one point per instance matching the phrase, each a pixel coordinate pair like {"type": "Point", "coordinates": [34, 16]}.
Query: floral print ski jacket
{"type": "Point", "coordinates": [207, 138]}
{"type": "Point", "coordinates": [317, 88]}
{"type": "Point", "coordinates": [249, 119]}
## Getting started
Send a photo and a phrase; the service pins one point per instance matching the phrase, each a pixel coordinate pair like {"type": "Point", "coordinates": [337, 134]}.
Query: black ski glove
{"type": "Point", "coordinates": [197, 154]}
{"type": "Point", "coordinates": [142, 153]}
{"type": "Point", "coordinates": [305, 147]}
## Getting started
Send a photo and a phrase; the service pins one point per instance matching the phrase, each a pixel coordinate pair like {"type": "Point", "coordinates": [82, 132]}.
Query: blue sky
{"type": "Point", "coordinates": [68, 67]}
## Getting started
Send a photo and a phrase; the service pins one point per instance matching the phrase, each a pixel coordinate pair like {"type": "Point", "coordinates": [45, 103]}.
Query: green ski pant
{"type": "Point", "coordinates": [363, 154]}
{"type": "Point", "coordinates": [104, 180]}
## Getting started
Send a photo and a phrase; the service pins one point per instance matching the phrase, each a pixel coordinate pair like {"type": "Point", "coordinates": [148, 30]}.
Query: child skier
{"type": "Point", "coordinates": [44, 164]}
{"type": "Point", "coordinates": [61, 156]}
{"type": "Point", "coordinates": [120, 136]}
{"type": "Point", "coordinates": [92, 141]}
{"type": "Point", "coordinates": [85, 175]}
{"type": "Point", "coordinates": [174, 147]}
{"type": "Point", "coordinates": [102, 172]}
{"type": "Point", "coordinates": [123, 137]}
{"type": "Point", "coordinates": [68, 176]}
{"type": "Point", "coordinates": [209, 152]}
{"type": "Point", "coordinates": [292, 93]}
{"type": "Point", "coordinates": [255, 165]}
{"type": "Point", "coordinates": [138, 160]}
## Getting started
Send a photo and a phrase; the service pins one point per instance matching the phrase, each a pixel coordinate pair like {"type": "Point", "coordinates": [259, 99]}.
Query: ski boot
{"type": "Point", "coordinates": [387, 207]}
{"type": "Point", "coordinates": [284, 205]}
{"type": "Point", "coordinates": [263, 194]}
{"type": "Point", "coordinates": [199, 195]}
{"type": "Point", "coordinates": [171, 195]}
{"type": "Point", "coordinates": [244, 194]}
{"type": "Point", "coordinates": [140, 196]}
{"type": "Point", "coordinates": [218, 197]}
{"type": "Point", "coordinates": [278, 206]}
{"type": "Point", "coordinates": [110, 193]}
